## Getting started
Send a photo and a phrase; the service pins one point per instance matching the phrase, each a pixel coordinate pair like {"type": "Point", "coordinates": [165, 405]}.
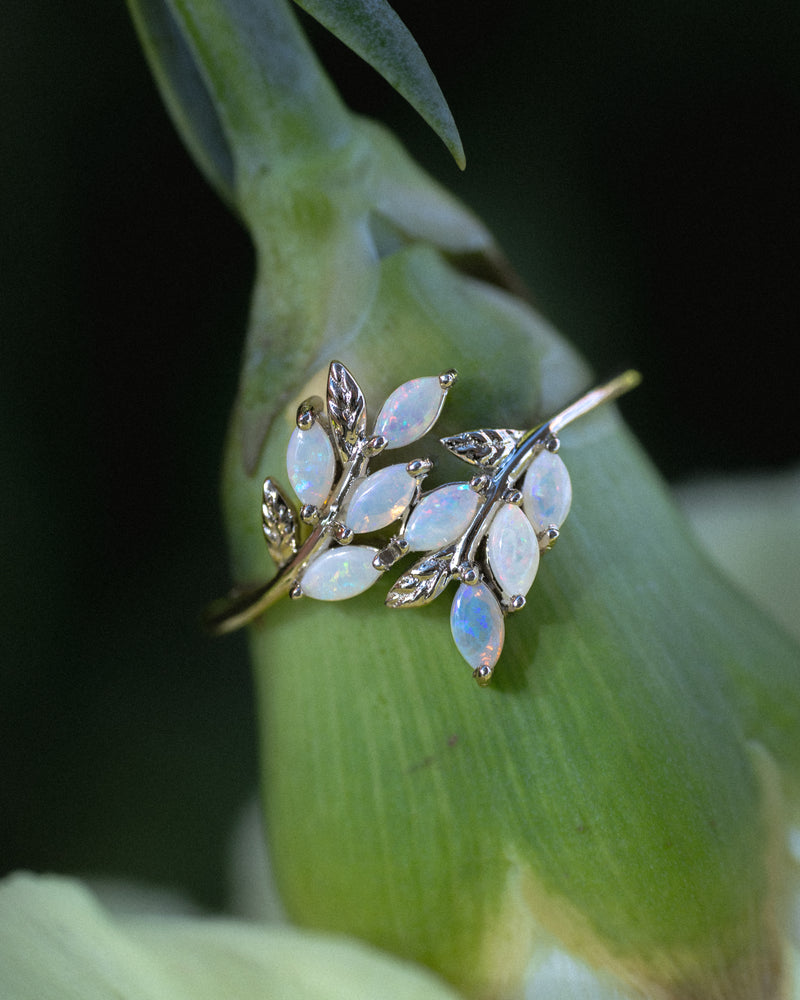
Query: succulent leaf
{"type": "Point", "coordinates": [374, 31]}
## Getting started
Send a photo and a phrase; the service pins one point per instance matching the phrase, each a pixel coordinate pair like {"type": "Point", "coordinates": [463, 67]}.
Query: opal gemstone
{"type": "Point", "coordinates": [547, 491]}
{"type": "Point", "coordinates": [441, 517]}
{"type": "Point", "coordinates": [380, 499]}
{"type": "Point", "coordinates": [512, 550]}
{"type": "Point", "coordinates": [310, 464]}
{"type": "Point", "coordinates": [410, 411]}
{"type": "Point", "coordinates": [476, 622]}
{"type": "Point", "coordinates": [340, 573]}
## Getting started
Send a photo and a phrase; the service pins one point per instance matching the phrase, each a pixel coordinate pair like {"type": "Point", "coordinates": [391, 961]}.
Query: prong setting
{"type": "Point", "coordinates": [419, 467]}
{"type": "Point", "coordinates": [308, 413]}
{"type": "Point", "coordinates": [512, 496]}
{"type": "Point", "coordinates": [309, 513]}
{"type": "Point", "coordinates": [480, 484]}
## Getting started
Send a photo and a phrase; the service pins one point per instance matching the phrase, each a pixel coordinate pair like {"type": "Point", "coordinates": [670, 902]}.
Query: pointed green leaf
{"type": "Point", "coordinates": [184, 92]}
{"type": "Point", "coordinates": [374, 31]}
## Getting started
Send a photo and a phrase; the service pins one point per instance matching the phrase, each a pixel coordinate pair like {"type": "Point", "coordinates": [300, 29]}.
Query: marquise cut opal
{"type": "Point", "coordinates": [340, 573]}
{"type": "Point", "coordinates": [441, 517]}
{"type": "Point", "coordinates": [310, 464]}
{"type": "Point", "coordinates": [476, 622]}
{"type": "Point", "coordinates": [410, 411]}
{"type": "Point", "coordinates": [380, 499]}
{"type": "Point", "coordinates": [512, 549]}
{"type": "Point", "coordinates": [547, 491]}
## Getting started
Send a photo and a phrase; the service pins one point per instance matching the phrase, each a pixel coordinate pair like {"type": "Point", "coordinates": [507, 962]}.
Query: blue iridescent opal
{"type": "Point", "coordinates": [476, 622]}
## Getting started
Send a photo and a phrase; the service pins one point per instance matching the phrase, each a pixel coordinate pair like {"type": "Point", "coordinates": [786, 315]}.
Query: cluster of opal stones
{"type": "Point", "coordinates": [507, 531]}
{"type": "Point", "coordinates": [514, 539]}
{"type": "Point", "coordinates": [377, 500]}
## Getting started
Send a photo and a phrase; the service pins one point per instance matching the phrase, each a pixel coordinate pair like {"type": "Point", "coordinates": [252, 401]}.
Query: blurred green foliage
{"type": "Point", "coordinates": [639, 166]}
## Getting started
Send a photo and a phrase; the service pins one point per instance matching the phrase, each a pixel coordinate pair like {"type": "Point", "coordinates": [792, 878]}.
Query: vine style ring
{"type": "Point", "coordinates": [487, 533]}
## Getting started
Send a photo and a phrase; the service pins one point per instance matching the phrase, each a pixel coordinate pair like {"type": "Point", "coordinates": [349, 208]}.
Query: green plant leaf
{"type": "Point", "coordinates": [624, 786]}
{"type": "Point", "coordinates": [242, 85]}
{"type": "Point", "coordinates": [374, 31]}
{"type": "Point", "coordinates": [56, 941]}
{"type": "Point", "coordinates": [185, 93]}
{"type": "Point", "coordinates": [619, 784]}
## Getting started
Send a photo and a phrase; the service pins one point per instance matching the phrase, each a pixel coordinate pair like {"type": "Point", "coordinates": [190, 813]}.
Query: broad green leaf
{"type": "Point", "coordinates": [374, 31]}
{"type": "Point", "coordinates": [57, 942]}
{"type": "Point", "coordinates": [624, 786]}
{"type": "Point", "coordinates": [606, 790]}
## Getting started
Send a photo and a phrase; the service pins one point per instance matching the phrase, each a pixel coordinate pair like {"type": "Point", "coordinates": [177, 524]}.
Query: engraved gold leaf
{"type": "Point", "coordinates": [423, 583]}
{"type": "Point", "coordinates": [347, 408]}
{"type": "Point", "coordinates": [279, 523]}
{"type": "Point", "coordinates": [486, 447]}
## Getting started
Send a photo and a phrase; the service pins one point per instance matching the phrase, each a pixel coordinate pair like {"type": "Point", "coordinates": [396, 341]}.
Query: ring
{"type": "Point", "coordinates": [487, 533]}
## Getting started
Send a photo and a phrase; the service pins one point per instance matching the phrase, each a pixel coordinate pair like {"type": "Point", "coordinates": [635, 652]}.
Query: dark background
{"type": "Point", "coordinates": [640, 165]}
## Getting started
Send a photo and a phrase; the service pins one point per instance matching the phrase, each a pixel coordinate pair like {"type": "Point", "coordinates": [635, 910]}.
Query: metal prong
{"type": "Point", "coordinates": [394, 550]}
{"type": "Point", "coordinates": [517, 602]}
{"type": "Point", "coordinates": [552, 444]}
{"type": "Point", "coordinates": [309, 513]}
{"type": "Point", "coordinates": [342, 533]}
{"type": "Point", "coordinates": [467, 573]}
{"type": "Point", "coordinates": [419, 467]}
{"type": "Point", "coordinates": [547, 537]}
{"type": "Point", "coordinates": [295, 593]}
{"type": "Point", "coordinates": [512, 496]}
{"type": "Point", "coordinates": [375, 445]}
{"type": "Point", "coordinates": [483, 675]}
{"type": "Point", "coordinates": [480, 484]}
{"type": "Point", "coordinates": [307, 413]}
{"type": "Point", "coordinates": [448, 379]}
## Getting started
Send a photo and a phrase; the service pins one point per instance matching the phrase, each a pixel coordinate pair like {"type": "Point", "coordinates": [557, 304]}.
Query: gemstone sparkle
{"type": "Point", "coordinates": [380, 499]}
{"type": "Point", "coordinates": [340, 573]}
{"type": "Point", "coordinates": [441, 517]}
{"type": "Point", "coordinates": [310, 464]}
{"type": "Point", "coordinates": [476, 622]}
{"type": "Point", "coordinates": [547, 491]}
{"type": "Point", "coordinates": [512, 550]}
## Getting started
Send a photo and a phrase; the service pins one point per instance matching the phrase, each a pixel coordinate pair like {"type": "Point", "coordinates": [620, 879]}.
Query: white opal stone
{"type": "Point", "coordinates": [476, 622]}
{"type": "Point", "coordinates": [441, 517]}
{"type": "Point", "coordinates": [513, 550]}
{"type": "Point", "coordinates": [380, 499]}
{"type": "Point", "coordinates": [547, 491]}
{"type": "Point", "coordinates": [410, 411]}
{"type": "Point", "coordinates": [310, 464]}
{"type": "Point", "coordinates": [340, 573]}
